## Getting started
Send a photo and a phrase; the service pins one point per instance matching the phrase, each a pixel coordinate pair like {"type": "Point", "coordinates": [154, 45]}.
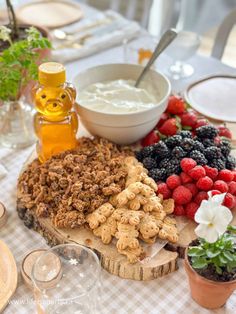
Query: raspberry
{"type": "Point", "coordinates": [204, 183]}
{"type": "Point", "coordinates": [226, 175]}
{"type": "Point", "coordinates": [232, 187]}
{"type": "Point", "coordinates": [187, 164]}
{"type": "Point", "coordinates": [234, 173]}
{"type": "Point", "coordinates": [200, 197]}
{"type": "Point", "coordinates": [173, 181]}
{"type": "Point", "coordinates": [221, 186]}
{"type": "Point", "coordinates": [164, 190]}
{"type": "Point", "coordinates": [181, 195]}
{"type": "Point", "coordinates": [192, 188]}
{"type": "Point", "coordinates": [185, 178]}
{"type": "Point", "coordinates": [211, 172]}
{"type": "Point", "coordinates": [179, 210]}
{"type": "Point", "coordinates": [191, 209]}
{"type": "Point", "coordinates": [229, 201]}
{"type": "Point", "coordinates": [215, 192]}
{"type": "Point", "coordinates": [197, 172]}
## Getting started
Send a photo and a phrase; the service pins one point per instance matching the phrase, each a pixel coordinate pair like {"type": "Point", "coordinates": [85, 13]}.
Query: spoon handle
{"type": "Point", "coordinates": [165, 40]}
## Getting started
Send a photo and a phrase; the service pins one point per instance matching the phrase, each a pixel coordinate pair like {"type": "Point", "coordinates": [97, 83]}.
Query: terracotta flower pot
{"type": "Point", "coordinates": [208, 293]}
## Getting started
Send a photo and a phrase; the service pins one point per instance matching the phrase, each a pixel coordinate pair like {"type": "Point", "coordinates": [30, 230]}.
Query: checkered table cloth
{"type": "Point", "coordinates": [166, 295]}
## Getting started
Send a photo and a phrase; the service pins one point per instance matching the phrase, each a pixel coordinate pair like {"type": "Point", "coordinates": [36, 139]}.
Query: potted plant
{"type": "Point", "coordinates": [210, 260]}
{"type": "Point", "coordinates": [20, 52]}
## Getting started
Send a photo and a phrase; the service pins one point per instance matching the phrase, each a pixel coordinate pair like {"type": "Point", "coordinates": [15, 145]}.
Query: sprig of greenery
{"type": "Point", "coordinates": [221, 254]}
{"type": "Point", "coordinates": [18, 63]}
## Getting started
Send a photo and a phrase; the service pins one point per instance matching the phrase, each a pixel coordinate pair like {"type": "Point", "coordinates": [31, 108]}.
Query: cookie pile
{"type": "Point", "coordinates": [134, 214]}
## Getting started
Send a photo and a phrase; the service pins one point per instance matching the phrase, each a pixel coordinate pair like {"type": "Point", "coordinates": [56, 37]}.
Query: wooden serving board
{"type": "Point", "coordinates": [161, 264]}
{"type": "Point", "coordinates": [8, 275]}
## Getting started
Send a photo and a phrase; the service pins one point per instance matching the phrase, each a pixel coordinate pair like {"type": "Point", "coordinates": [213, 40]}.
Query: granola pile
{"type": "Point", "coordinates": [74, 183]}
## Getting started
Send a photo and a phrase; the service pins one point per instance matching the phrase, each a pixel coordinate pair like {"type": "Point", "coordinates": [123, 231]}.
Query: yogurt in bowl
{"type": "Point", "coordinates": [119, 96]}
{"type": "Point", "coordinates": [111, 107]}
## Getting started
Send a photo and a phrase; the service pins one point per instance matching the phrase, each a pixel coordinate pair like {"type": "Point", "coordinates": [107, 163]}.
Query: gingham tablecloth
{"type": "Point", "coordinates": [167, 295]}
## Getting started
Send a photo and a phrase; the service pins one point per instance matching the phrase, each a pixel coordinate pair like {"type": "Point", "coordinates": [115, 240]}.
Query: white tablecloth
{"type": "Point", "coordinates": [168, 295]}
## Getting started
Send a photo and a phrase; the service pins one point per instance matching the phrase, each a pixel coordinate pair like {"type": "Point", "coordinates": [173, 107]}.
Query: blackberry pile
{"type": "Point", "coordinates": [163, 158]}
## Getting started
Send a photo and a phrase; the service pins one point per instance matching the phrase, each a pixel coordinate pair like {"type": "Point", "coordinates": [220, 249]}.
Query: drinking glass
{"type": "Point", "coordinates": [66, 280]}
{"type": "Point", "coordinates": [181, 49]}
{"type": "Point", "coordinates": [140, 50]}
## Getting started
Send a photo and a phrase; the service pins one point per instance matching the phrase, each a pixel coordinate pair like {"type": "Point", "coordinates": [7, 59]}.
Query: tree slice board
{"type": "Point", "coordinates": [161, 264]}
{"type": "Point", "coordinates": [8, 275]}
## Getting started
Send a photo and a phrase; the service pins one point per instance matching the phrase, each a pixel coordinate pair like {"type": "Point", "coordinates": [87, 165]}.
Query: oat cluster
{"type": "Point", "coordinates": [74, 183]}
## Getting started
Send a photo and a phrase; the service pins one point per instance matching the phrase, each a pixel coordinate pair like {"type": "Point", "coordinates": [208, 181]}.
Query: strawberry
{"type": "Point", "coordinates": [188, 119]}
{"type": "Point", "coordinates": [169, 127]}
{"type": "Point", "coordinates": [224, 131]}
{"type": "Point", "coordinates": [201, 122]}
{"type": "Point", "coordinates": [150, 139]}
{"type": "Point", "coordinates": [176, 105]}
{"type": "Point", "coordinates": [163, 118]}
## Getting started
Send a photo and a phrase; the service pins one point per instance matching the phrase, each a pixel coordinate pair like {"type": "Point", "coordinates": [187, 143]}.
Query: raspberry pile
{"type": "Point", "coordinates": [190, 187]}
{"type": "Point", "coordinates": [205, 147]}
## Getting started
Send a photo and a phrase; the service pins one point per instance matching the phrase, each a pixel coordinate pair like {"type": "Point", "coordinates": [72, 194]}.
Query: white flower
{"type": "Point", "coordinates": [5, 33]}
{"type": "Point", "coordinates": [213, 218]}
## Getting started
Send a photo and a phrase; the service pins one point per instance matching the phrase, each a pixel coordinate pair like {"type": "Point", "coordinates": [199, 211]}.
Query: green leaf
{"type": "Point", "coordinates": [199, 263]}
{"type": "Point", "coordinates": [211, 253]}
{"type": "Point", "coordinates": [195, 251]}
{"type": "Point", "coordinates": [228, 255]}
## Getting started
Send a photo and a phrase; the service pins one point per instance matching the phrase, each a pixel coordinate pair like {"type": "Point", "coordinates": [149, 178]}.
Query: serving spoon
{"type": "Point", "coordinates": [163, 43]}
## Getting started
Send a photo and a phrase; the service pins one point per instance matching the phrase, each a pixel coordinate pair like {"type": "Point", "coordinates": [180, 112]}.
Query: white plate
{"type": "Point", "coordinates": [50, 14]}
{"type": "Point", "coordinates": [214, 97]}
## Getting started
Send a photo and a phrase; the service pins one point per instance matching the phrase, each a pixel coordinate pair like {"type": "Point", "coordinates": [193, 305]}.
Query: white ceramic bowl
{"type": "Point", "coordinates": [124, 128]}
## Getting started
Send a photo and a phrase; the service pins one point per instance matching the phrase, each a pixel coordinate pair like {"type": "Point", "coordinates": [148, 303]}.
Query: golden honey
{"type": "Point", "coordinates": [55, 122]}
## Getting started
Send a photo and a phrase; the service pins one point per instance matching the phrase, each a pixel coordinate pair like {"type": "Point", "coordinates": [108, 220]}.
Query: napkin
{"type": "Point", "coordinates": [101, 37]}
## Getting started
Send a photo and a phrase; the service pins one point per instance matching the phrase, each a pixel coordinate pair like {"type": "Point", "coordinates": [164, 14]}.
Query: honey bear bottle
{"type": "Point", "coordinates": [55, 122]}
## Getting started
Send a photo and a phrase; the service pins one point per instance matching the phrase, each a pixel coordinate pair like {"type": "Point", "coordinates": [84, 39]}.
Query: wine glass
{"type": "Point", "coordinates": [66, 280]}
{"type": "Point", "coordinates": [181, 49]}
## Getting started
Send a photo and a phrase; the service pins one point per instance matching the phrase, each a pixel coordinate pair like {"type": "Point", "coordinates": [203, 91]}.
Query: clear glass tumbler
{"type": "Point", "coordinates": [181, 49]}
{"type": "Point", "coordinates": [67, 280]}
{"type": "Point", "coordinates": [140, 50]}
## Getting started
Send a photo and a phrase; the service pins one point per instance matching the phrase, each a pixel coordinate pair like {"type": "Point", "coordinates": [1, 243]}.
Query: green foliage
{"type": "Point", "coordinates": [18, 63]}
{"type": "Point", "coordinates": [221, 254]}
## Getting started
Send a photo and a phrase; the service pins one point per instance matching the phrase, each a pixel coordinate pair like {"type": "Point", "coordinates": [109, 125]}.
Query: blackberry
{"type": "Point", "coordinates": [212, 152]}
{"type": "Point", "coordinates": [147, 151]}
{"type": "Point", "coordinates": [178, 152]}
{"type": "Point", "coordinates": [161, 150]}
{"type": "Point", "coordinates": [164, 163]}
{"type": "Point", "coordinates": [207, 142]}
{"type": "Point", "coordinates": [217, 163]}
{"type": "Point", "coordinates": [198, 146]}
{"type": "Point", "coordinates": [230, 162]}
{"type": "Point", "coordinates": [198, 157]}
{"type": "Point", "coordinates": [207, 131]}
{"type": "Point", "coordinates": [149, 163]}
{"type": "Point", "coordinates": [173, 141]}
{"type": "Point", "coordinates": [139, 155]}
{"type": "Point", "coordinates": [225, 147]}
{"type": "Point", "coordinates": [187, 144]}
{"type": "Point", "coordinates": [173, 167]}
{"type": "Point", "coordinates": [158, 174]}
{"type": "Point", "coordinates": [185, 134]}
